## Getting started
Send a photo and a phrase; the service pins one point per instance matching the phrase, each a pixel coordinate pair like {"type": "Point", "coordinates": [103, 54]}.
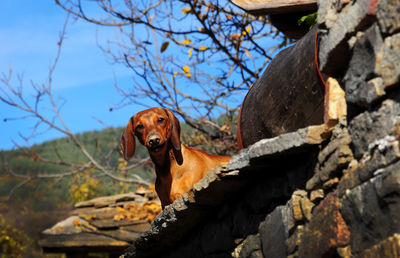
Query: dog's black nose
{"type": "Point", "coordinates": [154, 140]}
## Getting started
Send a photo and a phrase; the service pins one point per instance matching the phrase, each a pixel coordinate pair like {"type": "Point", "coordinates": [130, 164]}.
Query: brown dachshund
{"type": "Point", "coordinates": [177, 166]}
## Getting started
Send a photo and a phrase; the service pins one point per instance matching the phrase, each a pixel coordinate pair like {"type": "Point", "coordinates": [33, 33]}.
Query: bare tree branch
{"type": "Point", "coordinates": [193, 57]}
{"type": "Point", "coordinates": [14, 96]}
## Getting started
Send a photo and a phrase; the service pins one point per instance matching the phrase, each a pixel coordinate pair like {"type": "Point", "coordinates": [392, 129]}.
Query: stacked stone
{"type": "Point", "coordinates": [354, 193]}
{"type": "Point", "coordinates": [351, 205]}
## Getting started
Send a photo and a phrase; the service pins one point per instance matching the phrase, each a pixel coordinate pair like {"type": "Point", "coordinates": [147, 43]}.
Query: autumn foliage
{"type": "Point", "coordinates": [132, 211]}
{"type": "Point", "coordinates": [140, 211]}
{"type": "Point", "coordinates": [13, 242]}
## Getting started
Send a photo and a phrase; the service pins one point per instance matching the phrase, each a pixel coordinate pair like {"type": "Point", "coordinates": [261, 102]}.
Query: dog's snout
{"type": "Point", "coordinates": [153, 140]}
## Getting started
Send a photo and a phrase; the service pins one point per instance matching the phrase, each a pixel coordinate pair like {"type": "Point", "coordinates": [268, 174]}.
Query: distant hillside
{"type": "Point", "coordinates": [98, 143]}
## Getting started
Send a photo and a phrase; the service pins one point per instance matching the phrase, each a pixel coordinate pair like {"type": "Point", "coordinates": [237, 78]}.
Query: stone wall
{"type": "Point", "coordinates": [314, 192]}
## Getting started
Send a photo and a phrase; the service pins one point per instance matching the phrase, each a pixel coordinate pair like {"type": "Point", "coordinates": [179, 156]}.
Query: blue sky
{"type": "Point", "coordinates": [29, 32]}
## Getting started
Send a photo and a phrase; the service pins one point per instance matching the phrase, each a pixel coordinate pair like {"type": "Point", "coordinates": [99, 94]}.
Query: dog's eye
{"type": "Point", "coordinates": [161, 119]}
{"type": "Point", "coordinates": [139, 126]}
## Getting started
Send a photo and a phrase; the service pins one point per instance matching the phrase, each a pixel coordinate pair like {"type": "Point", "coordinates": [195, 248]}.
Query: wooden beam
{"type": "Point", "coordinates": [276, 6]}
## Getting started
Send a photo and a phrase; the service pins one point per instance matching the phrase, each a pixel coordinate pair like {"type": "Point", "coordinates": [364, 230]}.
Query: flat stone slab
{"type": "Point", "coordinates": [68, 243]}
{"type": "Point", "coordinates": [108, 200]}
{"type": "Point", "coordinates": [279, 146]}
{"type": "Point", "coordinates": [65, 227]}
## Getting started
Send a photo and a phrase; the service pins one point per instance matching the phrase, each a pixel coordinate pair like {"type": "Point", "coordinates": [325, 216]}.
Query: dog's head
{"type": "Point", "coordinates": [155, 128]}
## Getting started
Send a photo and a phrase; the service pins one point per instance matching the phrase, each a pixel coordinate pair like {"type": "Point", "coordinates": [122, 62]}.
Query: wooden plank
{"type": "Point", "coordinates": [276, 6]}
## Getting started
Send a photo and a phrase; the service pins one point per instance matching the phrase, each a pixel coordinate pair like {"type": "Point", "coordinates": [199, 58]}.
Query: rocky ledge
{"type": "Point", "coordinates": [228, 181]}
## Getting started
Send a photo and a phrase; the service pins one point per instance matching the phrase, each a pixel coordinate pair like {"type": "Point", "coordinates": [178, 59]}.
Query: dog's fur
{"type": "Point", "coordinates": [177, 166]}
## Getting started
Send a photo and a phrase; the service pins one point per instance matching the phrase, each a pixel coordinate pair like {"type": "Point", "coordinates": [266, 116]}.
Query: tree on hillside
{"type": "Point", "coordinates": [197, 58]}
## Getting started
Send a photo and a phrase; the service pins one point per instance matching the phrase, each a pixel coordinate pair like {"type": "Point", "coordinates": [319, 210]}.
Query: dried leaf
{"type": "Point", "coordinates": [140, 188]}
{"type": "Point", "coordinates": [186, 69]}
{"type": "Point", "coordinates": [228, 16]}
{"type": "Point", "coordinates": [152, 188]}
{"type": "Point", "coordinates": [151, 18]}
{"type": "Point", "coordinates": [186, 10]}
{"type": "Point", "coordinates": [118, 217]}
{"type": "Point", "coordinates": [77, 222]}
{"type": "Point", "coordinates": [120, 209]}
{"type": "Point", "coordinates": [248, 29]}
{"type": "Point", "coordinates": [236, 36]}
{"type": "Point", "coordinates": [224, 128]}
{"type": "Point", "coordinates": [164, 46]}
{"type": "Point", "coordinates": [153, 209]}
{"type": "Point", "coordinates": [175, 74]}
{"type": "Point", "coordinates": [247, 52]}
{"type": "Point", "coordinates": [201, 29]}
{"type": "Point", "coordinates": [202, 48]}
{"type": "Point", "coordinates": [190, 52]}
{"type": "Point", "coordinates": [186, 41]}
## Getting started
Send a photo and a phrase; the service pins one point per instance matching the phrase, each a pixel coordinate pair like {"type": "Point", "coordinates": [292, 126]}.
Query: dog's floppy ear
{"type": "Point", "coordinates": [128, 143]}
{"type": "Point", "coordinates": [176, 130]}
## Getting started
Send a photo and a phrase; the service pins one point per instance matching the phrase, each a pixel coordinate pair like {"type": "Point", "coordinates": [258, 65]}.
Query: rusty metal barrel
{"type": "Point", "coordinates": [289, 95]}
